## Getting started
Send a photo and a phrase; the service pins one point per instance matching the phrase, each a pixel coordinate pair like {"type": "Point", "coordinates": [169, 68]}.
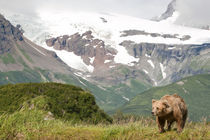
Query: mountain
{"type": "Point", "coordinates": [22, 61]}
{"type": "Point", "coordinates": [170, 11]}
{"type": "Point", "coordinates": [174, 15]}
{"type": "Point", "coordinates": [116, 56]}
{"type": "Point", "coordinates": [195, 91]}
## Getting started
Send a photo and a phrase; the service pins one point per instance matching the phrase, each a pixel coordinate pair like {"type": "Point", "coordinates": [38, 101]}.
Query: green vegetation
{"type": "Point", "coordinates": [58, 111]}
{"type": "Point", "coordinates": [108, 98]}
{"type": "Point", "coordinates": [29, 124]}
{"type": "Point", "coordinates": [25, 55]}
{"type": "Point", "coordinates": [8, 59]}
{"type": "Point", "coordinates": [19, 77]}
{"type": "Point", "coordinates": [195, 90]}
{"type": "Point", "coordinates": [65, 102]}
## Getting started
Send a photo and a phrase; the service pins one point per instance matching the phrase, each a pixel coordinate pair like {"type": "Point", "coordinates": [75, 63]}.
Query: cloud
{"type": "Point", "coordinates": [138, 8]}
{"type": "Point", "coordinates": [194, 12]}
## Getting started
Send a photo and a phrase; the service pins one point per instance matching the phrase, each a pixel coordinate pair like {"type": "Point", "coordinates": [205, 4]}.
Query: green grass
{"type": "Point", "coordinates": [57, 111]}
{"type": "Point", "coordinates": [64, 101]}
{"type": "Point", "coordinates": [19, 77]}
{"type": "Point", "coordinates": [8, 59]}
{"type": "Point", "coordinates": [195, 90]}
{"type": "Point", "coordinates": [30, 124]}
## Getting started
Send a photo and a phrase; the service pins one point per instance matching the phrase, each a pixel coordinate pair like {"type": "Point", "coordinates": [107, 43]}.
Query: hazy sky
{"type": "Point", "coordinates": [138, 8]}
{"type": "Point", "coordinates": [194, 11]}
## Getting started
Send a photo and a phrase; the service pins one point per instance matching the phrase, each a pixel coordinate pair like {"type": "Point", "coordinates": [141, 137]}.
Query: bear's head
{"type": "Point", "coordinates": [160, 108]}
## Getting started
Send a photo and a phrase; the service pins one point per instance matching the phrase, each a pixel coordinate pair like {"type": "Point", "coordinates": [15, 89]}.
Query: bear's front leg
{"type": "Point", "coordinates": [169, 123]}
{"type": "Point", "coordinates": [179, 125]}
{"type": "Point", "coordinates": [161, 124]}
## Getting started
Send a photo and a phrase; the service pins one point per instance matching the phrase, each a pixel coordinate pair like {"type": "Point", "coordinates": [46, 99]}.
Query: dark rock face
{"type": "Point", "coordinates": [7, 29]}
{"type": "Point", "coordinates": [7, 33]}
{"type": "Point", "coordinates": [103, 20]}
{"type": "Point", "coordinates": [169, 12]}
{"type": "Point", "coordinates": [138, 32]}
{"type": "Point", "coordinates": [178, 61]}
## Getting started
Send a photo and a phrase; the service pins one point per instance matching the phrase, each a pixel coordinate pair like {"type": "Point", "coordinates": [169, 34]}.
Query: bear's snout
{"type": "Point", "coordinates": [152, 113]}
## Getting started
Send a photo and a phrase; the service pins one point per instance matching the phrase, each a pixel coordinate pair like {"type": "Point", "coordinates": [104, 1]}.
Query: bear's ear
{"type": "Point", "coordinates": [165, 102]}
{"type": "Point", "coordinates": [153, 101]}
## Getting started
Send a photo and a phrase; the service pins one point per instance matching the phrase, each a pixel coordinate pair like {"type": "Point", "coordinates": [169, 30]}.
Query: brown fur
{"type": "Point", "coordinates": [170, 108]}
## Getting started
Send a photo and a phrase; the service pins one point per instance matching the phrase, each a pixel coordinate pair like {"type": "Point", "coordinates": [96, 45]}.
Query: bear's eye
{"type": "Point", "coordinates": [157, 108]}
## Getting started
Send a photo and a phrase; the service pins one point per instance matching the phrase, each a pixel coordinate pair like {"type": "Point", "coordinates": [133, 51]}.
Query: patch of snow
{"type": "Point", "coordinates": [163, 70]}
{"type": "Point", "coordinates": [101, 87]}
{"type": "Point", "coordinates": [71, 59]}
{"type": "Point", "coordinates": [78, 74]}
{"type": "Point", "coordinates": [123, 57]}
{"type": "Point", "coordinates": [87, 45]}
{"type": "Point", "coordinates": [131, 64]}
{"type": "Point", "coordinates": [146, 71]}
{"type": "Point", "coordinates": [92, 59]}
{"type": "Point", "coordinates": [35, 48]}
{"type": "Point", "coordinates": [112, 67]}
{"type": "Point", "coordinates": [81, 82]}
{"type": "Point", "coordinates": [85, 37]}
{"type": "Point", "coordinates": [88, 76]}
{"type": "Point", "coordinates": [147, 55]}
{"type": "Point", "coordinates": [109, 54]}
{"type": "Point", "coordinates": [151, 63]}
{"type": "Point", "coordinates": [107, 61]}
{"type": "Point", "coordinates": [95, 46]}
{"type": "Point", "coordinates": [172, 48]}
{"type": "Point", "coordinates": [154, 82]}
{"type": "Point", "coordinates": [126, 98]}
{"type": "Point", "coordinates": [90, 68]}
{"type": "Point", "coordinates": [171, 19]}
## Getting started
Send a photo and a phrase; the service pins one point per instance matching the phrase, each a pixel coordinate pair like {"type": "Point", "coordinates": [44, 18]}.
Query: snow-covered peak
{"type": "Point", "coordinates": [109, 28]}
{"type": "Point", "coordinates": [110, 32]}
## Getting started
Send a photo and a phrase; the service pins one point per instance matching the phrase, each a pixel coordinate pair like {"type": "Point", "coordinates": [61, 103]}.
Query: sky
{"type": "Point", "coordinates": [138, 8]}
{"type": "Point", "coordinates": [192, 11]}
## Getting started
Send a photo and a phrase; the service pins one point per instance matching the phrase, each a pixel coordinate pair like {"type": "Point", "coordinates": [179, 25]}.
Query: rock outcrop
{"type": "Point", "coordinates": [93, 51]}
{"type": "Point", "coordinates": [169, 11]}
{"type": "Point", "coordinates": [7, 33]}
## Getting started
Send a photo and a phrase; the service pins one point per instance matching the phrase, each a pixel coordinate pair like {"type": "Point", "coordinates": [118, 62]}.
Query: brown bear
{"type": "Point", "coordinates": [170, 108]}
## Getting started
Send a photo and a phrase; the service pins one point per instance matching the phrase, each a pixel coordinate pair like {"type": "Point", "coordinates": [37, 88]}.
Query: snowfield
{"type": "Point", "coordinates": [49, 24]}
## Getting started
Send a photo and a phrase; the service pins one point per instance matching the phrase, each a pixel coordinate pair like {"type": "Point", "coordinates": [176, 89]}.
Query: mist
{"type": "Point", "coordinates": [138, 8]}
{"type": "Point", "coordinates": [194, 12]}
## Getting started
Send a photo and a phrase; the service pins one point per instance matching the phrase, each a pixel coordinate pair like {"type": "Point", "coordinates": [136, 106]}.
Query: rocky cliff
{"type": "Point", "coordinates": [8, 32]}
{"type": "Point", "coordinates": [169, 11]}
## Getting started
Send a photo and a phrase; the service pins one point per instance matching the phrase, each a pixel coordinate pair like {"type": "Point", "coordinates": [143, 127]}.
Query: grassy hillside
{"type": "Point", "coordinates": [195, 90]}
{"type": "Point", "coordinates": [61, 101]}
